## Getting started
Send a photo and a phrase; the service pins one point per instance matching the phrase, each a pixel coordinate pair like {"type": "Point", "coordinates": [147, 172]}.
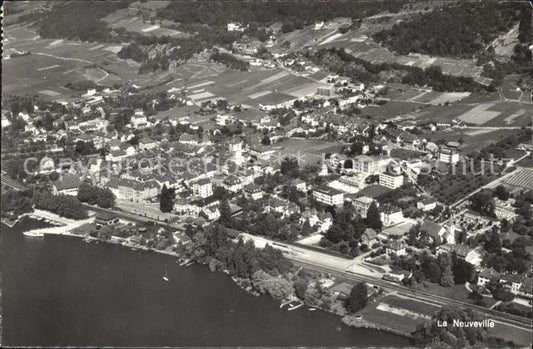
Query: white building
{"type": "Point", "coordinates": [202, 188]}
{"type": "Point", "coordinates": [232, 183]}
{"type": "Point", "coordinates": [391, 180]}
{"type": "Point", "coordinates": [361, 205]}
{"type": "Point", "coordinates": [224, 119]}
{"type": "Point", "coordinates": [67, 185]}
{"type": "Point", "coordinates": [448, 156]}
{"type": "Point", "coordinates": [328, 196]}
{"type": "Point", "coordinates": [235, 27]}
{"type": "Point", "coordinates": [235, 148]}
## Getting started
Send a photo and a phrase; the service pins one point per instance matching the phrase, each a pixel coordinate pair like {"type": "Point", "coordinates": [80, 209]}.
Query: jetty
{"type": "Point", "coordinates": [61, 230]}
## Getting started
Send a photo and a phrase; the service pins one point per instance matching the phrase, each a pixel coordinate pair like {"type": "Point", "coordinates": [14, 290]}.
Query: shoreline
{"type": "Point", "coordinates": [239, 282]}
{"type": "Point", "coordinates": [349, 321]}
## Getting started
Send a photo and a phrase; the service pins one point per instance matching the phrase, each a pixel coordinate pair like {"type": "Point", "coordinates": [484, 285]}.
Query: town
{"type": "Point", "coordinates": [423, 194]}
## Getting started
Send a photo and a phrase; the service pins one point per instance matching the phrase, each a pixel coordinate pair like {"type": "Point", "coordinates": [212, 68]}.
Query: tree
{"type": "Point", "coordinates": [277, 287]}
{"type": "Point", "coordinates": [356, 148]}
{"type": "Point", "coordinates": [335, 233]}
{"type": "Point", "coordinates": [463, 271]}
{"type": "Point", "coordinates": [483, 203]}
{"type": "Point", "coordinates": [446, 278]}
{"type": "Point", "coordinates": [306, 228]}
{"type": "Point", "coordinates": [105, 198]}
{"type": "Point", "coordinates": [166, 199]}
{"type": "Point", "coordinates": [493, 244]}
{"type": "Point", "coordinates": [501, 193]}
{"type": "Point", "coordinates": [373, 217]}
{"type": "Point", "coordinates": [358, 298]}
{"type": "Point", "coordinates": [265, 140]}
{"type": "Point", "coordinates": [300, 286]}
{"type": "Point", "coordinates": [501, 294]}
{"type": "Point", "coordinates": [289, 167]}
{"type": "Point", "coordinates": [431, 270]}
{"type": "Point", "coordinates": [225, 213]}
{"type": "Point", "coordinates": [434, 334]}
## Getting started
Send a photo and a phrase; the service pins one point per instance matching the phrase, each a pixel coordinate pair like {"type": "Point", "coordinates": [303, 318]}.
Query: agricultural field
{"type": "Point", "coordinates": [522, 179]}
{"type": "Point", "coordinates": [492, 114]}
{"type": "Point", "coordinates": [51, 64]}
{"type": "Point", "coordinates": [206, 80]}
{"type": "Point", "coordinates": [131, 20]}
{"type": "Point", "coordinates": [451, 188]}
{"type": "Point", "coordinates": [391, 109]}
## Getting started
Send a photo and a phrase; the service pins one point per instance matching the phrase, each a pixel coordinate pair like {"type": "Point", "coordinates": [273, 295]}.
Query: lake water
{"type": "Point", "coordinates": [60, 291]}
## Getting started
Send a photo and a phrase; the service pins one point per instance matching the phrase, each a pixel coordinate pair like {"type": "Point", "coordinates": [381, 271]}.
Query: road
{"type": "Point", "coordinates": [11, 183]}
{"type": "Point", "coordinates": [76, 60]}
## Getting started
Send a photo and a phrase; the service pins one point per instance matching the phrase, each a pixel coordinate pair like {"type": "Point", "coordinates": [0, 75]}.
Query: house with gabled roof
{"type": "Point", "coordinates": [66, 185]}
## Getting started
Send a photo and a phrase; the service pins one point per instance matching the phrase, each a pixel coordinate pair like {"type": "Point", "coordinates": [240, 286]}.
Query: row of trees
{"type": "Point", "coordinates": [229, 61]}
{"type": "Point", "coordinates": [102, 197]}
{"type": "Point", "coordinates": [522, 53]}
{"type": "Point", "coordinates": [345, 232]}
{"type": "Point", "coordinates": [517, 260]}
{"type": "Point", "coordinates": [446, 270]}
{"type": "Point", "coordinates": [63, 205]}
{"type": "Point", "coordinates": [241, 259]}
{"type": "Point", "coordinates": [14, 203]}
{"type": "Point", "coordinates": [166, 199]}
{"type": "Point", "coordinates": [440, 332]}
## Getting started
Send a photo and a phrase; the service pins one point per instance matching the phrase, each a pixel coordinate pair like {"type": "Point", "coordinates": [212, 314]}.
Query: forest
{"type": "Point", "coordinates": [217, 13]}
{"type": "Point", "coordinates": [455, 31]}
{"type": "Point", "coordinates": [76, 20]}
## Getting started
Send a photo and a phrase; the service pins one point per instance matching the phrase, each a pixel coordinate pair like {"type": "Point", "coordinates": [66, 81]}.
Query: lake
{"type": "Point", "coordinates": [61, 291]}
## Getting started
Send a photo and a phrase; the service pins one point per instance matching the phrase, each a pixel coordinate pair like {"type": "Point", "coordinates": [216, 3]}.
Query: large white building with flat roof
{"type": "Point", "coordinates": [448, 155]}
{"type": "Point", "coordinates": [328, 196]}
{"type": "Point", "coordinates": [391, 180]}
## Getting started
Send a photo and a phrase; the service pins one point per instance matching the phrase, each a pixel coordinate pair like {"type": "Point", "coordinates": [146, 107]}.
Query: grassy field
{"type": "Point", "coordinates": [130, 19]}
{"type": "Point", "coordinates": [398, 313]}
{"type": "Point", "coordinates": [511, 334]}
{"type": "Point", "coordinates": [310, 150]}
{"type": "Point", "coordinates": [457, 292]}
{"type": "Point", "coordinates": [474, 140]}
{"type": "Point", "coordinates": [412, 305]}
{"type": "Point", "coordinates": [390, 110]}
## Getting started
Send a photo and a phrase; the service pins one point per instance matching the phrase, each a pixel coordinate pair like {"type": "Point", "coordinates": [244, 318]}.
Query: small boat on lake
{"type": "Point", "coordinates": [294, 307]}
{"type": "Point", "coordinates": [165, 277]}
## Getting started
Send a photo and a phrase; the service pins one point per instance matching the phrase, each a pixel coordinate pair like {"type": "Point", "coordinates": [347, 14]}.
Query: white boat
{"type": "Point", "coordinates": [293, 307]}
{"type": "Point", "coordinates": [33, 234]}
{"type": "Point", "coordinates": [165, 277]}
{"type": "Point", "coordinates": [312, 309]}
